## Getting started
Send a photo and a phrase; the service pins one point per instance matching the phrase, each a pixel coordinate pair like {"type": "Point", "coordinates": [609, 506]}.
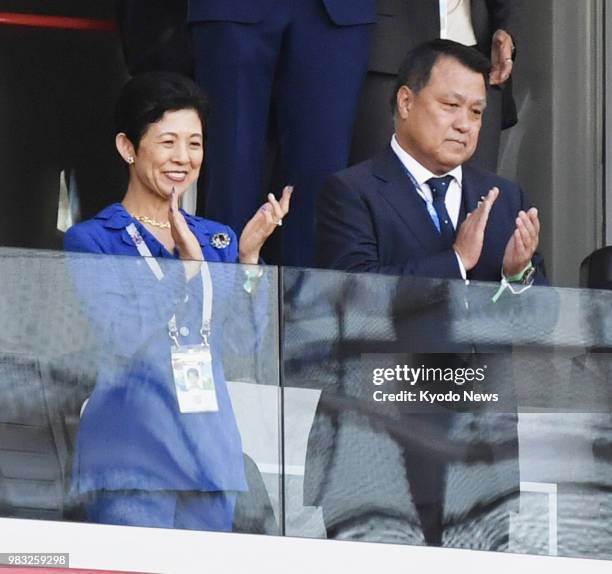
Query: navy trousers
{"type": "Point", "coordinates": [315, 68]}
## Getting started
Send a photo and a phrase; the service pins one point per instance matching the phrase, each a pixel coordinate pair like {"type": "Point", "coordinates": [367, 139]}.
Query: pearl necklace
{"type": "Point", "coordinates": [153, 222]}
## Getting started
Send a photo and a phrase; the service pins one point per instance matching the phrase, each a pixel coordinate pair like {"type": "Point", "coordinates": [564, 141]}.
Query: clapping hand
{"type": "Point", "coordinates": [470, 236]}
{"type": "Point", "coordinates": [184, 240]}
{"type": "Point", "coordinates": [523, 243]}
{"type": "Point", "coordinates": [268, 217]}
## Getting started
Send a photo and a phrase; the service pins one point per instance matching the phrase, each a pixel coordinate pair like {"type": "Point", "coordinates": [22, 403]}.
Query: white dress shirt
{"type": "Point", "coordinates": [456, 21]}
{"type": "Point", "coordinates": [421, 174]}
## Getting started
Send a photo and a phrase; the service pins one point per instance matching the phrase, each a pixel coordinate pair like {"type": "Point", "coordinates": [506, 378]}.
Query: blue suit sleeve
{"type": "Point", "coordinates": [500, 14]}
{"type": "Point", "coordinates": [347, 239]}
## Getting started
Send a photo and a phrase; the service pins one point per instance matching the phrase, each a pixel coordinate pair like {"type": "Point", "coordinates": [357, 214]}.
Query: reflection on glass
{"type": "Point", "coordinates": [531, 472]}
{"type": "Point", "coordinates": [472, 472]}
{"type": "Point", "coordinates": [141, 456]}
{"type": "Point", "coordinates": [148, 452]}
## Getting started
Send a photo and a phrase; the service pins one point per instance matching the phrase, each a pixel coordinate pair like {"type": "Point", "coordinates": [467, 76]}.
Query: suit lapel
{"type": "Point", "coordinates": [398, 190]}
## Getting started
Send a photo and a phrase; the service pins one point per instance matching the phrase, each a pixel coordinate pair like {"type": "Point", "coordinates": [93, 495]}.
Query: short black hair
{"type": "Point", "coordinates": [415, 70]}
{"type": "Point", "coordinates": [147, 97]}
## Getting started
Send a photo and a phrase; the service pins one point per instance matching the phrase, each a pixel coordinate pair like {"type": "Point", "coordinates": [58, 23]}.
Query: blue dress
{"type": "Point", "coordinates": [134, 444]}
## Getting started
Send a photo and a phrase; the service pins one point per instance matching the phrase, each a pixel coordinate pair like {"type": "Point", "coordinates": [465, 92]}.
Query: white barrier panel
{"type": "Point", "coordinates": [186, 552]}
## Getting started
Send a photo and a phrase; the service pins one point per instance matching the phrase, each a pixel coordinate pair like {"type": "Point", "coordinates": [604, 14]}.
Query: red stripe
{"type": "Point", "coordinates": [37, 570]}
{"type": "Point", "coordinates": [57, 22]}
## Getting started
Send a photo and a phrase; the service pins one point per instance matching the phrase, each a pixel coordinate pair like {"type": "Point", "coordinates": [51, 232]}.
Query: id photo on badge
{"type": "Point", "coordinates": [193, 380]}
{"type": "Point", "coordinates": [195, 389]}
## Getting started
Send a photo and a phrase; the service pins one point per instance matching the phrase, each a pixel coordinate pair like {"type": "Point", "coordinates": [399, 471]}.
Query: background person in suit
{"type": "Point", "coordinates": [312, 55]}
{"type": "Point", "coordinates": [404, 24]}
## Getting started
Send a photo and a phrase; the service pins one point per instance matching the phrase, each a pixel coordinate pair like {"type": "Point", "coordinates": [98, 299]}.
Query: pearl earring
{"type": "Point", "coordinates": [130, 159]}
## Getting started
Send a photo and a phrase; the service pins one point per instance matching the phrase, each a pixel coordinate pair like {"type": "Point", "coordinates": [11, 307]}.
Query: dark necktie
{"type": "Point", "coordinates": [439, 186]}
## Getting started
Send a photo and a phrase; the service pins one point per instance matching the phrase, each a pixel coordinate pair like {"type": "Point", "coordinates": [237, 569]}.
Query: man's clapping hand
{"type": "Point", "coordinates": [520, 247]}
{"type": "Point", "coordinates": [470, 237]}
{"type": "Point", "coordinates": [523, 243]}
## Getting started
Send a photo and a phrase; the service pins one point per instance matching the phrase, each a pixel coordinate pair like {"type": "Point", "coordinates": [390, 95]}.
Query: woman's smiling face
{"type": "Point", "coordinates": [170, 154]}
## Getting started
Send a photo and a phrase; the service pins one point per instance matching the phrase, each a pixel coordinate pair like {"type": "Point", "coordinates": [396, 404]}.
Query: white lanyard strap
{"type": "Point", "coordinates": [207, 288]}
{"type": "Point", "coordinates": [207, 301]}
{"type": "Point", "coordinates": [145, 252]}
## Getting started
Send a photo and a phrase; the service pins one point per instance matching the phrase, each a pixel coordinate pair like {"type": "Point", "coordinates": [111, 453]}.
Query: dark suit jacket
{"type": "Point", "coordinates": [155, 35]}
{"type": "Point", "coordinates": [342, 12]}
{"type": "Point", "coordinates": [370, 218]}
{"type": "Point", "coordinates": [402, 25]}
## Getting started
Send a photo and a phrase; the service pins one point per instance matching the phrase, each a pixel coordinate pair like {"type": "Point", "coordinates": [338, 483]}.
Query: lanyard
{"type": "Point", "coordinates": [435, 218]}
{"type": "Point", "coordinates": [207, 288]}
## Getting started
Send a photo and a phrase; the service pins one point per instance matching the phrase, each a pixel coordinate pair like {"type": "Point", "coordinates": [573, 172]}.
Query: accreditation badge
{"type": "Point", "coordinates": [193, 379]}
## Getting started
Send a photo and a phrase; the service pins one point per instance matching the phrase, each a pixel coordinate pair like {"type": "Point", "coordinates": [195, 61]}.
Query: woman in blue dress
{"type": "Point", "coordinates": [153, 450]}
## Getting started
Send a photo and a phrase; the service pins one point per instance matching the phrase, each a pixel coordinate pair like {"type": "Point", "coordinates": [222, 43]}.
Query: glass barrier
{"type": "Point", "coordinates": [139, 392]}
{"type": "Point", "coordinates": [387, 409]}
{"type": "Point", "coordinates": [421, 412]}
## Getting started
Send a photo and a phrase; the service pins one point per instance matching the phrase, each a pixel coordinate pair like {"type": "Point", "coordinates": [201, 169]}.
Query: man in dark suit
{"type": "Point", "coordinates": [415, 209]}
{"type": "Point", "coordinates": [402, 25]}
{"type": "Point", "coordinates": [312, 56]}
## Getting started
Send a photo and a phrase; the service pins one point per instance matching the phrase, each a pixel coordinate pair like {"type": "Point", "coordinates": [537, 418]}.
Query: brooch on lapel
{"type": "Point", "coordinates": [220, 240]}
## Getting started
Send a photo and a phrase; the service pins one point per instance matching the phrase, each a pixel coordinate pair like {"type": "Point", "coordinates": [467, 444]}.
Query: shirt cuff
{"type": "Point", "coordinates": [519, 275]}
{"type": "Point", "coordinates": [461, 266]}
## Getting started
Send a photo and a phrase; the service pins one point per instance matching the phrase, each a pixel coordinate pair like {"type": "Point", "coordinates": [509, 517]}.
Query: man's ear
{"type": "Point", "coordinates": [125, 148]}
{"type": "Point", "coordinates": [404, 101]}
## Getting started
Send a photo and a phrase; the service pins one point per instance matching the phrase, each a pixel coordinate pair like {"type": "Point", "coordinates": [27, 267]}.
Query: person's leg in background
{"type": "Point", "coordinates": [426, 473]}
{"type": "Point", "coordinates": [235, 65]}
{"type": "Point", "coordinates": [320, 77]}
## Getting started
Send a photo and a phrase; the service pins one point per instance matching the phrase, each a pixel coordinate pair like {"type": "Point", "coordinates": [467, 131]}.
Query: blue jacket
{"type": "Point", "coordinates": [132, 434]}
